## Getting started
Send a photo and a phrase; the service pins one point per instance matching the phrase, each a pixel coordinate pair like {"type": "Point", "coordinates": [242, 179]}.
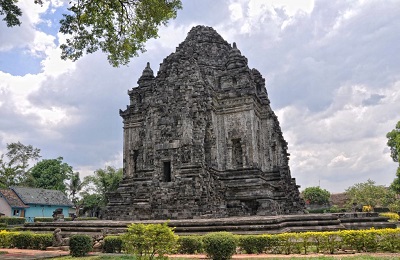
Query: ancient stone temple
{"type": "Point", "coordinates": [201, 140]}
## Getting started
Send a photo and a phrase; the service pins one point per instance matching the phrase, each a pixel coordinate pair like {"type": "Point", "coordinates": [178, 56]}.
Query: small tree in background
{"type": "Point", "coordinates": [14, 165]}
{"type": "Point", "coordinates": [316, 195]}
{"type": "Point", "coordinates": [370, 194]}
{"type": "Point", "coordinates": [394, 144]}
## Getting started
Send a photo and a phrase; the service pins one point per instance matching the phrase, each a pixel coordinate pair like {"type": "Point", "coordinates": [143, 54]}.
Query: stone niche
{"type": "Point", "coordinates": [201, 140]}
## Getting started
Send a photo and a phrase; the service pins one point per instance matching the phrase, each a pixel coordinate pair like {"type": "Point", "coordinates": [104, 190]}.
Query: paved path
{"type": "Point", "coordinates": [16, 254]}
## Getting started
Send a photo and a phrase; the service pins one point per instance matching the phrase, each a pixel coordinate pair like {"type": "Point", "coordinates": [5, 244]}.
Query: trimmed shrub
{"type": "Point", "coordinates": [80, 245]}
{"type": "Point", "coordinates": [3, 225]}
{"type": "Point", "coordinates": [112, 244]}
{"type": "Point", "coordinates": [6, 239]}
{"type": "Point", "coordinates": [219, 245]}
{"type": "Point", "coordinates": [190, 244]}
{"type": "Point", "coordinates": [146, 241]}
{"type": "Point", "coordinates": [41, 241]}
{"type": "Point", "coordinates": [43, 219]}
{"type": "Point", "coordinates": [86, 218]}
{"type": "Point", "coordinates": [253, 244]}
{"type": "Point", "coordinates": [23, 240]}
{"type": "Point", "coordinates": [49, 219]}
{"type": "Point", "coordinates": [392, 216]}
{"type": "Point", "coordinates": [12, 220]}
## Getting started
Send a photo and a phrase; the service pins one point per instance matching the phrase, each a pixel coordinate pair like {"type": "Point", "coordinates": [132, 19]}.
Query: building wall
{"type": "Point", "coordinates": [5, 207]}
{"type": "Point", "coordinates": [43, 211]}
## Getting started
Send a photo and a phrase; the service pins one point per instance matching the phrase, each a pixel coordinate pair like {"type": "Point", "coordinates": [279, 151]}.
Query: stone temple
{"type": "Point", "coordinates": [201, 140]}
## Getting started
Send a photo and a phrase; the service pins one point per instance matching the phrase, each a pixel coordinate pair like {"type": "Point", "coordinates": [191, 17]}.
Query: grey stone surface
{"type": "Point", "coordinates": [201, 140]}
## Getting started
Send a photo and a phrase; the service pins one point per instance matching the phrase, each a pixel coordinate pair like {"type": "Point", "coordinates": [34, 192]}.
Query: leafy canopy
{"type": "Point", "coordinates": [51, 174]}
{"type": "Point", "coordinates": [117, 27]}
{"type": "Point", "coordinates": [104, 181]}
{"type": "Point", "coordinates": [368, 193]}
{"type": "Point", "coordinates": [394, 145]}
{"type": "Point", "coordinates": [316, 195]}
{"type": "Point", "coordinates": [14, 165]}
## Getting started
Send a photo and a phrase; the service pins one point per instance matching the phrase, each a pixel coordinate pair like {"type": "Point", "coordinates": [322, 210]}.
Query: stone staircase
{"type": "Point", "coordinates": [237, 225]}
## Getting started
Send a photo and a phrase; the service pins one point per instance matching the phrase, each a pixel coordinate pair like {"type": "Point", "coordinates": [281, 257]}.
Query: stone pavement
{"type": "Point", "coordinates": [15, 254]}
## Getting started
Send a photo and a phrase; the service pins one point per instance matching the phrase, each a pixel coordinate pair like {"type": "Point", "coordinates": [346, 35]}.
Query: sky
{"type": "Point", "coordinates": [332, 74]}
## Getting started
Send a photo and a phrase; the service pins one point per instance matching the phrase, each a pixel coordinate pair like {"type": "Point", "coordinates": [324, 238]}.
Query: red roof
{"type": "Point", "coordinates": [12, 198]}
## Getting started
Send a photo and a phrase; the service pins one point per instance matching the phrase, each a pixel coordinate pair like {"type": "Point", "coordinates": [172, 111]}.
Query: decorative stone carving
{"type": "Point", "coordinates": [201, 140]}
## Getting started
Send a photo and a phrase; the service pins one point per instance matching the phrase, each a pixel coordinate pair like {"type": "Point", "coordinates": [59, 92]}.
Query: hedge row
{"type": "Point", "coordinates": [12, 220]}
{"type": "Point", "coordinates": [25, 240]}
{"type": "Point", "coordinates": [50, 219]}
{"type": "Point", "coordinates": [381, 240]}
{"type": "Point", "coordinates": [373, 240]}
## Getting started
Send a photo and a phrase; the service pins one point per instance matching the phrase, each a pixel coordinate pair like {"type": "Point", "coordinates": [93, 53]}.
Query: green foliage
{"type": "Point", "coordinates": [119, 28]}
{"type": "Point", "coordinates": [112, 244]}
{"type": "Point", "coordinates": [51, 174]}
{"type": "Point", "coordinates": [394, 145]}
{"type": "Point", "coordinates": [103, 181]}
{"type": "Point", "coordinates": [220, 245]}
{"type": "Point", "coordinates": [316, 195]}
{"type": "Point", "coordinates": [80, 245]}
{"type": "Point", "coordinates": [190, 244]}
{"type": "Point", "coordinates": [23, 240]}
{"type": "Point", "coordinates": [253, 244]}
{"type": "Point", "coordinates": [12, 220]}
{"type": "Point", "coordinates": [11, 11]}
{"type": "Point", "coordinates": [368, 193]}
{"type": "Point", "coordinates": [146, 241]}
{"type": "Point", "coordinates": [391, 215]}
{"type": "Point", "coordinates": [42, 241]}
{"type": "Point", "coordinates": [14, 165]}
{"type": "Point", "coordinates": [49, 219]}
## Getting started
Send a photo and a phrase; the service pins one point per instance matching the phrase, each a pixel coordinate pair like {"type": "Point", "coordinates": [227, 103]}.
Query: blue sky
{"type": "Point", "coordinates": [331, 70]}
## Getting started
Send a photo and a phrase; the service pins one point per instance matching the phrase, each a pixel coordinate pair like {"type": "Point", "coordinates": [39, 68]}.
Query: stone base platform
{"type": "Point", "coordinates": [237, 225]}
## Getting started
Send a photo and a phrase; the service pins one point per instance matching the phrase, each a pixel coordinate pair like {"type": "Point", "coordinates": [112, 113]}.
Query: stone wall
{"type": "Point", "coordinates": [200, 139]}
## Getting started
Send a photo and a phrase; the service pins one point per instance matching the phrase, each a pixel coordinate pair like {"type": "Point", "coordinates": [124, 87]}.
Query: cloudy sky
{"type": "Point", "coordinates": [332, 71]}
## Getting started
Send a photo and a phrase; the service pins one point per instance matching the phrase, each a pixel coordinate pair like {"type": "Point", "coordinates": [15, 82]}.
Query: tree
{"type": "Point", "coordinates": [394, 144]}
{"type": "Point", "coordinates": [368, 193]}
{"type": "Point", "coordinates": [74, 186]}
{"type": "Point", "coordinates": [316, 195]}
{"type": "Point", "coordinates": [104, 181]}
{"type": "Point", "coordinates": [117, 27]}
{"type": "Point", "coordinates": [14, 165]}
{"type": "Point", "coordinates": [51, 174]}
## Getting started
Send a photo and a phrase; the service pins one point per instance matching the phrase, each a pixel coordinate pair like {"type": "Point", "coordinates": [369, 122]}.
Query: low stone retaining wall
{"type": "Point", "coordinates": [237, 225]}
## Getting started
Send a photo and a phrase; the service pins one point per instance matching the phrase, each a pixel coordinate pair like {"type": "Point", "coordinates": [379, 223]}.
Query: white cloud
{"type": "Point", "coordinates": [331, 67]}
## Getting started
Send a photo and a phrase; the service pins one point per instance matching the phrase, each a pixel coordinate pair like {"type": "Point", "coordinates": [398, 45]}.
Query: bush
{"type": "Point", "coordinates": [252, 244]}
{"type": "Point", "coordinates": [43, 219]}
{"type": "Point", "coordinates": [49, 219]}
{"type": "Point", "coordinates": [190, 244]}
{"type": "Point", "coordinates": [12, 220]}
{"type": "Point", "coordinates": [41, 241]}
{"type": "Point", "coordinates": [86, 218]}
{"type": "Point", "coordinates": [80, 245]}
{"type": "Point", "coordinates": [6, 239]}
{"type": "Point", "coordinates": [145, 241]}
{"type": "Point", "coordinates": [219, 245]}
{"type": "Point", "coordinates": [112, 244]}
{"type": "Point", "coordinates": [3, 225]}
{"type": "Point", "coordinates": [391, 216]}
{"type": "Point", "coordinates": [23, 240]}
